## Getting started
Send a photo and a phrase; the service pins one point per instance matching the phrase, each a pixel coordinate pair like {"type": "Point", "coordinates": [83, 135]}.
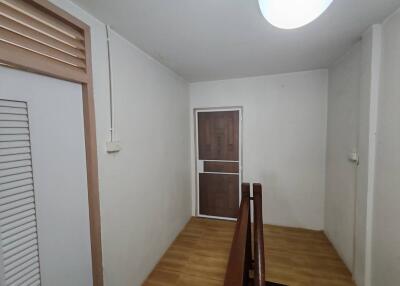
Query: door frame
{"type": "Point", "coordinates": [196, 155]}
{"type": "Point", "coordinates": [11, 58]}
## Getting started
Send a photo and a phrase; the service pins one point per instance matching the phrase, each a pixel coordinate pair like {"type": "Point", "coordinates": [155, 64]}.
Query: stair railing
{"type": "Point", "coordinates": [240, 257]}
{"type": "Point", "coordinates": [242, 270]}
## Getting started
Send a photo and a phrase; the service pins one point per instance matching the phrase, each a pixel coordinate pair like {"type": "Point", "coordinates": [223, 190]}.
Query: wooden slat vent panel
{"type": "Point", "coordinates": [27, 33]}
{"type": "Point", "coordinates": [18, 227]}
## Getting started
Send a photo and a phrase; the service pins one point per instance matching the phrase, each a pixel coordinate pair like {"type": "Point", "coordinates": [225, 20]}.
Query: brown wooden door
{"type": "Point", "coordinates": [218, 163]}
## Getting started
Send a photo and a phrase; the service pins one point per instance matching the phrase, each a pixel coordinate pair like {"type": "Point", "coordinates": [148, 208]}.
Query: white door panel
{"type": "Point", "coordinates": [55, 114]}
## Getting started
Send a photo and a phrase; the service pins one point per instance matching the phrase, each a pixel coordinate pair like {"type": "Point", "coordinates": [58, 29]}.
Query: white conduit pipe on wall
{"type": "Point", "coordinates": [113, 145]}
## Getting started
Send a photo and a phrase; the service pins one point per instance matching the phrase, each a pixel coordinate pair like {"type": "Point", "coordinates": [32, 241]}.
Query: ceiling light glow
{"type": "Point", "coordinates": [292, 14]}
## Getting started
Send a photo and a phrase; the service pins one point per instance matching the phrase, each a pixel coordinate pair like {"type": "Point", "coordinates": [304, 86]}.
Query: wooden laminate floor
{"type": "Point", "coordinates": [295, 257]}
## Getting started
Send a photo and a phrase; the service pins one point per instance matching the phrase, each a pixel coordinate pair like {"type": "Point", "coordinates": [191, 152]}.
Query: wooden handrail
{"type": "Point", "coordinates": [259, 257]}
{"type": "Point", "coordinates": [237, 273]}
{"type": "Point", "coordinates": [240, 262]}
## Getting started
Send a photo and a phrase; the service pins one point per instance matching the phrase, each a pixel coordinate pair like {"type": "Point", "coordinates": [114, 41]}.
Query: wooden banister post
{"type": "Point", "coordinates": [245, 190]}
{"type": "Point", "coordinates": [237, 273]}
{"type": "Point", "coordinates": [259, 257]}
{"type": "Point", "coordinates": [249, 251]}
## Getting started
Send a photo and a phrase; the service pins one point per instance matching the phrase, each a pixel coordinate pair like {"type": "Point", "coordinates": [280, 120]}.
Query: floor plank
{"type": "Point", "coordinates": [295, 257]}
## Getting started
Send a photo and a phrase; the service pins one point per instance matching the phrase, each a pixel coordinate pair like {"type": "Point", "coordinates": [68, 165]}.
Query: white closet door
{"type": "Point", "coordinates": [43, 186]}
{"type": "Point", "coordinates": [18, 225]}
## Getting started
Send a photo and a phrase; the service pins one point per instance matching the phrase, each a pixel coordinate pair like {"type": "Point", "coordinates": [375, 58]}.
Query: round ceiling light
{"type": "Point", "coordinates": [292, 14]}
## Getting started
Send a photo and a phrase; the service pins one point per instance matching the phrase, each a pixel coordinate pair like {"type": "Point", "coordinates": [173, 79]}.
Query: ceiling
{"type": "Point", "coordinates": [219, 39]}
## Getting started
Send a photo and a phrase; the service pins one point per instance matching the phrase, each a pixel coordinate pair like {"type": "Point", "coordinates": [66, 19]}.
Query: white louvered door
{"type": "Point", "coordinates": [44, 216]}
{"type": "Point", "coordinates": [18, 228]}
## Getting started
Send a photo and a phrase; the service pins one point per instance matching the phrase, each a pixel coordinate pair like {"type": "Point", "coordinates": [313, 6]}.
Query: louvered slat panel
{"type": "Point", "coordinates": [11, 273]}
{"type": "Point", "coordinates": [14, 185]}
{"type": "Point", "coordinates": [23, 275]}
{"type": "Point", "coordinates": [16, 164]}
{"type": "Point", "coordinates": [16, 191]}
{"type": "Point", "coordinates": [44, 18]}
{"type": "Point", "coordinates": [44, 50]}
{"type": "Point", "coordinates": [34, 281]}
{"type": "Point", "coordinates": [32, 37]}
{"type": "Point", "coordinates": [18, 227]}
{"type": "Point", "coordinates": [27, 219]}
{"type": "Point", "coordinates": [14, 151]}
{"type": "Point", "coordinates": [18, 137]}
{"type": "Point", "coordinates": [23, 57]}
{"type": "Point", "coordinates": [15, 177]}
{"type": "Point", "coordinates": [13, 117]}
{"type": "Point", "coordinates": [13, 131]}
{"type": "Point", "coordinates": [22, 260]}
{"type": "Point", "coordinates": [11, 218]}
{"type": "Point", "coordinates": [15, 207]}
{"type": "Point", "coordinates": [13, 103]}
{"type": "Point", "coordinates": [28, 249]}
{"type": "Point", "coordinates": [16, 198]}
{"type": "Point", "coordinates": [24, 19]}
{"type": "Point", "coordinates": [18, 242]}
{"type": "Point", "coordinates": [27, 32]}
{"type": "Point", "coordinates": [13, 110]}
{"type": "Point", "coordinates": [13, 124]}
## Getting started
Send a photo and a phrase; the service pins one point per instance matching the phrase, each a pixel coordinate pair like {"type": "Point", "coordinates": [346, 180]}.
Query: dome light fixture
{"type": "Point", "coordinates": [292, 14]}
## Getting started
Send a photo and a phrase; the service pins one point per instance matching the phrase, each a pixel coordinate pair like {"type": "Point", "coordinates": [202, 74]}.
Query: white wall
{"type": "Point", "coordinates": [386, 231]}
{"type": "Point", "coordinates": [342, 139]}
{"type": "Point", "coordinates": [352, 111]}
{"type": "Point", "coordinates": [365, 83]}
{"type": "Point", "coordinates": [284, 135]}
{"type": "Point", "coordinates": [369, 91]}
{"type": "Point", "coordinates": [145, 189]}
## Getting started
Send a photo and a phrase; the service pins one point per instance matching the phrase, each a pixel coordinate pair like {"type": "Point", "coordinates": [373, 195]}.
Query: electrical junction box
{"type": "Point", "coordinates": [354, 157]}
{"type": "Point", "coordinates": [113, 146]}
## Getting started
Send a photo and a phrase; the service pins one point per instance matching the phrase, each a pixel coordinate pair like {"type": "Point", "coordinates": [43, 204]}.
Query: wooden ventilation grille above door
{"type": "Point", "coordinates": [19, 252]}
{"type": "Point", "coordinates": [31, 34]}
